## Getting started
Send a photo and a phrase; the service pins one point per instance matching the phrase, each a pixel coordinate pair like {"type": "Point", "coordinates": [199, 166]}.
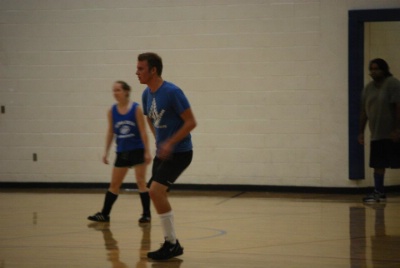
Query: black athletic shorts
{"type": "Point", "coordinates": [384, 154]}
{"type": "Point", "coordinates": [167, 172]}
{"type": "Point", "coordinates": [130, 158]}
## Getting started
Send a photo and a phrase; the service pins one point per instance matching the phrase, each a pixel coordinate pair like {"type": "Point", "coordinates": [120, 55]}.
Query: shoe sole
{"type": "Point", "coordinates": [96, 220]}
{"type": "Point", "coordinates": [375, 201]}
{"type": "Point", "coordinates": [163, 259]}
{"type": "Point", "coordinates": [179, 254]}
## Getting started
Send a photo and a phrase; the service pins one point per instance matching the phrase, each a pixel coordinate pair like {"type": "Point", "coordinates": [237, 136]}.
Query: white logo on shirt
{"type": "Point", "coordinates": [124, 130]}
{"type": "Point", "coordinates": [155, 115]}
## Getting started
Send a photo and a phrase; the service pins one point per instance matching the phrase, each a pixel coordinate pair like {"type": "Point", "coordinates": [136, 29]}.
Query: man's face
{"type": "Point", "coordinates": [375, 72]}
{"type": "Point", "coordinates": [143, 73]}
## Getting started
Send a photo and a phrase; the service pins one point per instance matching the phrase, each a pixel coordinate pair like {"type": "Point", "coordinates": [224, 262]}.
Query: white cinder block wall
{"type": "Point", "coordinates": [267, 81]}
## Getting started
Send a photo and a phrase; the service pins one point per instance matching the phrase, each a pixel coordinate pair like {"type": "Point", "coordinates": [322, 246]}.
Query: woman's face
{"type": "Point", "coordinates": [119, 93]}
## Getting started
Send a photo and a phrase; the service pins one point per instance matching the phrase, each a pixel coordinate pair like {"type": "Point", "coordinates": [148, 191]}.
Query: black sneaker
{"type": "Point", "coordinates": [145, 219]}
{"type": "Point", "coordinates": [375, 197]}
{"type": "Point", "coordinates": [99, 217]}
{"type": "Point", "coordinates": [167, 251]}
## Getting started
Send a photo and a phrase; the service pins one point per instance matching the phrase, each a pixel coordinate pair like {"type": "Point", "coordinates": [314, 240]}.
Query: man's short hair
{"type": "Point", "coordinates": [153, 60]}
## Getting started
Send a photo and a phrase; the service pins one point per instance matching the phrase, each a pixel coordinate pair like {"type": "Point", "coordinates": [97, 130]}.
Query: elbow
{"type": "Point", "coordinates": [194, 124]}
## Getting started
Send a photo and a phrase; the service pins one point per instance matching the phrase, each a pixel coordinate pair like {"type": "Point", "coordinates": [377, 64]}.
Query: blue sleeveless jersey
{"type": "Point", "coordinates": [164, 108]}
{"type": "Point", "coordinates": [127, 135]}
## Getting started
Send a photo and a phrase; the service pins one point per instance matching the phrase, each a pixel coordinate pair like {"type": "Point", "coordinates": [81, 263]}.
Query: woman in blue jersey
{"type": "Point", "coordinates": [126, 124]}
{"type": "Point", "coordinates": [171, 120]}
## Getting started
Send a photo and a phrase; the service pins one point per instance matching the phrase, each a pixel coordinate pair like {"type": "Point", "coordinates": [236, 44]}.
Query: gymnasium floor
{"type": "Point", "coordinates": [217, 229]}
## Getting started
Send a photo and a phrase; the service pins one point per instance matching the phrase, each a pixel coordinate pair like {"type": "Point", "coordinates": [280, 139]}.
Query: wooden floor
{"type": "Point", "coordinates": [217, 229]}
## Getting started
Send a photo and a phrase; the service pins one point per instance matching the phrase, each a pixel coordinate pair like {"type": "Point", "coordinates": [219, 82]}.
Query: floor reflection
{"type": "Point", "coordinates": [172, 263]}
{"type": "Point", "coordinates": [384, 248]}
{"type": "Point", "coordinates": [145, 244]}
{"type": "Point", "coordinates": [110, 243]}
{"type": "Point", "coordinates": [113, 253]}
{"type": "Point", "coordinates": [357, 237]}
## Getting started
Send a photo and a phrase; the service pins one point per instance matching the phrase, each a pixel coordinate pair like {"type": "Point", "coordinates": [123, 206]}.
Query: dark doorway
{"type": "Point", "coordinates": [357, 19]}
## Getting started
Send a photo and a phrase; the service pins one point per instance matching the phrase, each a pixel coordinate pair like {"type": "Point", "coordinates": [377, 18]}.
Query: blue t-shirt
{"type": "Point", "coordinates": [125, 129]}
{"type": "Point", "coordinates": [164, 108]}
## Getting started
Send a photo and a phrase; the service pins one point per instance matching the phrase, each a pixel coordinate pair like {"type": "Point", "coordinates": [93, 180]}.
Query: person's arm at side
{"type": "Point", "coordinates": [395, 93]}
{"type": "Point", "coordinates": [396, 132]}
{"type": "Point", "coordinates": [362, 124]}
{"type": "Point", "coordinates": [398, 116]}
{"type": "Point", "coordinates": [109, 137]}
{"type": "Point", "coordinates": [142, 130]}
{"type": "Point", "coordinates": [189, 123]}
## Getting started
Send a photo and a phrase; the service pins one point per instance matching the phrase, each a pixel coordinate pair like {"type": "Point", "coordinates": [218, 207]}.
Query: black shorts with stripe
{"type": "Point", "coordinates": [167, 172]}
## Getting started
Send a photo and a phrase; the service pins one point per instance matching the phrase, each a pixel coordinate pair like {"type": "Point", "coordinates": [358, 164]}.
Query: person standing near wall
{"type": "Point", "coordinates": [380, 107]}
{"type": "Point", "coordinates": [126, 123]}
{"type": "Point", "coordinates": [171, 120]}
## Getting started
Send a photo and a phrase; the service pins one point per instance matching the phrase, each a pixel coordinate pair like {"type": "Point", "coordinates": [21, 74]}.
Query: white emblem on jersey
{"type": "Point", "coordinates": [125, 130]}
{"type": "Point", "coordinates": [153, 114]}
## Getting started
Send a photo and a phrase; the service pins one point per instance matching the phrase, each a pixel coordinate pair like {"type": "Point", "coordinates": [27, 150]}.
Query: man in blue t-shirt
{"type": "Point", "coordinates": [170, 118]}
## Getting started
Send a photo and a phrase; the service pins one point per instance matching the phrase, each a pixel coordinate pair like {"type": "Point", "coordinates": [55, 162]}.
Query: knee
{"type": "Point", "coordinates": [157, 192]}
{"type": "Point", "coordinates": [153, 193]}
{"type": "Point", "coordinates": [141, 184]}
{"type": "Point", "coordinates": [114, 187]}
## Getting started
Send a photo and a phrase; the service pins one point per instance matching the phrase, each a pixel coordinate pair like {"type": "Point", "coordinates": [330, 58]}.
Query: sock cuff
{"type": "Point", "coordinates": [109, 192]}
{"type": "Point", "coordinates": [166, 215]}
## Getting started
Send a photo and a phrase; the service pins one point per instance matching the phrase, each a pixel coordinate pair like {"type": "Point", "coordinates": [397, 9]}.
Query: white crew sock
{"type": "Point", "coordinates": [167, 223]}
